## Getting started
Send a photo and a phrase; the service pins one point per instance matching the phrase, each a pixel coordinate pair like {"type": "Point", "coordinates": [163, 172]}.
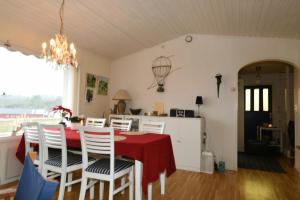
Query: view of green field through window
{"type": "Point", "coordinates": [29, 88]}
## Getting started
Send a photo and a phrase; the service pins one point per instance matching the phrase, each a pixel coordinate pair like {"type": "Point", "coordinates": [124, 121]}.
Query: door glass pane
{"type": "Point", "coordinates": [265, 99]}
{"type": "Point", "coordinates": [247, 100]}
{"type": "Point", "coordinates": [256, 99]}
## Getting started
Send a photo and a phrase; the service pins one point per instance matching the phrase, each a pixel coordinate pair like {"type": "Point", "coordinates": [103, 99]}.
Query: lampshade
{"type": "Point", "coordinates": [199, 100]}
{"type": "Point", "coordinates": [121, 95]}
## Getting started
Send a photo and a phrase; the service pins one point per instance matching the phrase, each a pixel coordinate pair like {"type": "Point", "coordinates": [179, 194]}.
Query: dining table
{"type": "Point", "coordinates": [152, 154]}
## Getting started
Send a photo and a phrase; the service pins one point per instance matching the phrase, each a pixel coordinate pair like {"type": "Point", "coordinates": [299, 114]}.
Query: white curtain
{"type": "Point", "coordinates": [70, 90]}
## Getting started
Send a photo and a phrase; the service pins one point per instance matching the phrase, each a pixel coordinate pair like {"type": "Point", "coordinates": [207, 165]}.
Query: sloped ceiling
{"type": "Point", "coordinates": [114, 28]}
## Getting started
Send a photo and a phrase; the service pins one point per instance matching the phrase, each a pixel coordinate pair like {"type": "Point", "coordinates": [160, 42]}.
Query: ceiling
{"type": "Point", "coordinates": [266, 67]}
{"type": "Point", "coordinates": [114, 28]}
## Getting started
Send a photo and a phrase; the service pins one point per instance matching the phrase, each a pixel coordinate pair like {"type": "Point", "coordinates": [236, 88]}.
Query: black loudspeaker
{"type": "Point", "coordinates": [173, 112]}
{"type": "Point", "coordinates": [189, 113]}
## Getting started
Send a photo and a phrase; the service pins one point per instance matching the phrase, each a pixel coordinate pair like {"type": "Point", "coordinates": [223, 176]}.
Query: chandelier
{"type": "Point", "coordinates": [59, 54]}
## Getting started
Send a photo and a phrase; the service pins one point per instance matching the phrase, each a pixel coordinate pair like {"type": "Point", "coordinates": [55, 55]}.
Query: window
{"type": "Point", "coordinates": [265, 99]}
{"type": "Point", "coordinates": [247, 99]}
{"type": "Point", "coordinates": [257, 98]}
{"type": "Point", "coordinates": [29, 88]}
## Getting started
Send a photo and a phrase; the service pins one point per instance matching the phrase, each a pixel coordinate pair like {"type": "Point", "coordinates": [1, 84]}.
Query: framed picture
{"type": "Point", "coordinates": [89, 95]}
{"type": "Point", "coordinates": [102, 85]}
{"type": "Point", "coordinates": [91, 80]}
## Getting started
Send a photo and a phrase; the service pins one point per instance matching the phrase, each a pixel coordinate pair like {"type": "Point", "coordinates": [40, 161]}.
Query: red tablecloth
{"type": "Point", "coordinates": [153, 150]}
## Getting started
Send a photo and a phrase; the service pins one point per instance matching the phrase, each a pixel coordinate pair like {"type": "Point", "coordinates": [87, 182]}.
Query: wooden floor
{"type": "Point", "coordinates": [244, 185]}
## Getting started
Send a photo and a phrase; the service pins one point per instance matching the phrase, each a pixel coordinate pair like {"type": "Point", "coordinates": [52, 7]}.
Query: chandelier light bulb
{"type": "Point", "coordinates": [44, 45]}
{"type": "Point", "coordinates": [72, 46]}
{"type": "Point", "coordinates": [52, 42]}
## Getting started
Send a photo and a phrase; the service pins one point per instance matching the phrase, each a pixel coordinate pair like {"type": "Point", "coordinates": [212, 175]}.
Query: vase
{"type": "Point", "coordinates": [74, 125]}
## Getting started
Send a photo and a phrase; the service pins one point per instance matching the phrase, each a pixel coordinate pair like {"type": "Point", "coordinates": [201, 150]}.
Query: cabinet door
{"type": "Point", "coordinates": [190, 151]}
{"type": "Point", "coordinates": [172, 128]}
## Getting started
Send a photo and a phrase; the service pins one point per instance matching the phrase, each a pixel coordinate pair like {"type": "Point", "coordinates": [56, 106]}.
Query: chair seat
{"type": "Point", "coordinates": [103, 166]}
{"type": "Point", "coordinates": [72, 159]}
{"type": "Point", "coordinates": [52, 154]}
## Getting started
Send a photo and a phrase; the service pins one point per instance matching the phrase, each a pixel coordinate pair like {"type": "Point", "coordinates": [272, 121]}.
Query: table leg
{"type": "Point", "coordinates": [138, 180]}
{"type": "Point", "coordinates": [162, 182]}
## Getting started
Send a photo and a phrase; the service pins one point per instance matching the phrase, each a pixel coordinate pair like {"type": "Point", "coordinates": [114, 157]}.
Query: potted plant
{"type": "Point", "coordinates": [64, 112]}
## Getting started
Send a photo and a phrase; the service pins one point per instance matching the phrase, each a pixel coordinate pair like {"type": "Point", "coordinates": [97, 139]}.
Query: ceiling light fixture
{"type": "Point", "coordinates": [258, 74]}
{"type": "Point", "coordinates": [60, 55]}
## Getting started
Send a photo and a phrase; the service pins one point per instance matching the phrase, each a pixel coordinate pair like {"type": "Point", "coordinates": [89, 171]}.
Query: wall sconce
{"type": "Point", "coordinates": [219, 81]}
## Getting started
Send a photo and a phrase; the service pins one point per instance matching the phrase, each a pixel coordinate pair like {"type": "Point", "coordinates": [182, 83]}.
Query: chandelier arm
{"type": "Point", "coordinates": [61, 15]}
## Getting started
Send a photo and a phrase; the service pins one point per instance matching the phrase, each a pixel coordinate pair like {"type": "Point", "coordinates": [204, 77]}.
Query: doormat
{"type": "Point", "coordinates": [264, 163]}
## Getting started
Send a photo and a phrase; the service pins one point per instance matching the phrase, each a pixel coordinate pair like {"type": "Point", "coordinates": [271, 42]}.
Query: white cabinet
{"type": "Point", "coordinates": [186, 135]}
{"type": "Point", "coordinates": [10, 167]}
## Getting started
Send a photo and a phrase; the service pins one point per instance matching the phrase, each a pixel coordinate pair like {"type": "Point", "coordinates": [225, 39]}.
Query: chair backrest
{"type": "Point", "coordinates": [153, 127]}
{"type": "Point", "coordinates": [53, 136]}
{"type": "Point", "coordinates": [32, 185]}
{"type": "Point", "coordinates": [97, 122]}
{"type": "Point", "coordinates": [97, 141]}
{"type": "Point", "coordinates": [123, 125]}
{"type": "Point", "coordinates": [31, 135]}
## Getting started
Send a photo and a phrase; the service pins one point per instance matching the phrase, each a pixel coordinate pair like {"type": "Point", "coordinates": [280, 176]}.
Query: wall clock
{"type": "Point", "coordinates": [188, 38]}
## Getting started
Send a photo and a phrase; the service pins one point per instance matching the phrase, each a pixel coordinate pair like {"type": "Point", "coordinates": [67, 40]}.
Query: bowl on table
{"type": "Point", "coordinates": [135, 111]}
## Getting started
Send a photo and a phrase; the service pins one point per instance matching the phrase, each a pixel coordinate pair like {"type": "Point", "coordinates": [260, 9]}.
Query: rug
{"type": "Point", "coordinates": [264, 163]}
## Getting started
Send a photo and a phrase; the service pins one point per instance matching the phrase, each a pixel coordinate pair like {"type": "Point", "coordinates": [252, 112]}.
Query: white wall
{"type": "Point", "coordinates": [200, 61]}
{"type": "Point", "coordinates": [97, 65]}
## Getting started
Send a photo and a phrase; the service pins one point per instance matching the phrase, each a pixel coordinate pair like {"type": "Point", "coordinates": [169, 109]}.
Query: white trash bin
{"type": "Point", "coordinates": [207, 162]}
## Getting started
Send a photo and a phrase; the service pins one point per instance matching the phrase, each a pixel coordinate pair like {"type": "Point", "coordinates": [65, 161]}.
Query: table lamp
{"type": "Point", "coordinates": [121, 95]}
{"type": "Point", "coordinates": [199, 101]}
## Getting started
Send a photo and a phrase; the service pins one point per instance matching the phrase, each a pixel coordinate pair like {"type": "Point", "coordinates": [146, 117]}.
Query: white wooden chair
{"type": "Point", "coordinates": [152, 127]}
{"type": "Point", "coordinates": [106, 169]}
{"type": "Point", "coordinates": [123, 125]}
{"type": "Point", "coordinates": [155, 127]}
{"type": "Point", "coordinates": [53, 136]}
{"type": "Point", "coordinates": [32, 136]}
{"type": "Point", "coordinates": [97, 122]}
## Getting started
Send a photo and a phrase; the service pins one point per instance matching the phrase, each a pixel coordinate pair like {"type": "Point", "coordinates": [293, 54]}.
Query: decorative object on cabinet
{"type": "Point", "coordinates": [179, 113]}
{"type": "Point", "coordinates": [159, 107]}
{"type": "Point", "coordinates": [135, 111]}
{"type": "Point", "coordinates": [102, 85]}
{"type": "Point", "coordinates": [199, 101]}
{"type": "Point", "coordinates": [115, 110]}
{"type": "Point", "coordinates": [219, 81]}
{"type": "Point", "coordinates": [121, 95]}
